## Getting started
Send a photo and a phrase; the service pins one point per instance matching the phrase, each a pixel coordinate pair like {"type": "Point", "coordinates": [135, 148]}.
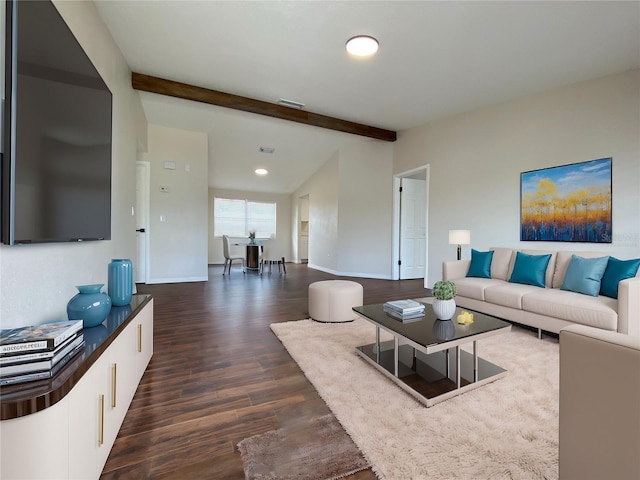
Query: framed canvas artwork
{"type": "Point", "coordinates": [568, 203]}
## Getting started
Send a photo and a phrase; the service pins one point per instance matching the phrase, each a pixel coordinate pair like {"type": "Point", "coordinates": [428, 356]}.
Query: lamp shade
{"type": "Point", "coordinates": [459, 237]}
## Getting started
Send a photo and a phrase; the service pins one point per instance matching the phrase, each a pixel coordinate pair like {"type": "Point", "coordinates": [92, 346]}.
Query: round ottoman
{"type": "Point", "coordinates": [331, 300]}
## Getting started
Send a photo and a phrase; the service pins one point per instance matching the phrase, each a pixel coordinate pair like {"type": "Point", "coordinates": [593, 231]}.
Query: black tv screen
{"type": "Point", "coordinates": [56, 162]}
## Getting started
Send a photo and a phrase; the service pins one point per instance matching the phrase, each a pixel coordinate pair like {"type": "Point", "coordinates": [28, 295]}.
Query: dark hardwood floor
{"type": "Point", "coordinates": [219, 375]}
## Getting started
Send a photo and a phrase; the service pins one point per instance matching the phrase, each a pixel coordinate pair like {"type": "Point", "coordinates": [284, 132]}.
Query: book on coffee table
{"type": "Point", "coordinates": [405, 317]}
{"type": "Point", "coordinates": [404, 307]}
{"type": "Point", "coordinates": [404, 310]}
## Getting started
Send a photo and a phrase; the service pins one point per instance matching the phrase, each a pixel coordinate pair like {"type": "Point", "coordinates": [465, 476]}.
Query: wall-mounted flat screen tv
{"type": "Point", "coordinates": [56, 153]}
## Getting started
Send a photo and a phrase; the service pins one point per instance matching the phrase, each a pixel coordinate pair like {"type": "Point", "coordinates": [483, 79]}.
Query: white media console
{"type": "Point", "coordinates": [66, 427]}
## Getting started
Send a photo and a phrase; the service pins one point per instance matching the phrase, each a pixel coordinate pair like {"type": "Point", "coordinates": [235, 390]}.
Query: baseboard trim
{"type": "Point", "coordinates": [349, 274]}
{"type": "Point", "coordinates": [177, 280]}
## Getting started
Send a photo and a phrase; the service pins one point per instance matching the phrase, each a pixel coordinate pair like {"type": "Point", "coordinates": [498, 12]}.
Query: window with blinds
{"type": "Point", "coordinates": [237, 218]}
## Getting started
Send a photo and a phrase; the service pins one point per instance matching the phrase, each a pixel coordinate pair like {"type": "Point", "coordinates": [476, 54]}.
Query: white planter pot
{"type": "Point", "coordinates": [444, 309]}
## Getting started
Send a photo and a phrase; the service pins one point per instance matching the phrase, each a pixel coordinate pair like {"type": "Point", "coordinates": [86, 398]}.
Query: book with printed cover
{"type": "Point", "coordinates": [17, 364]}
{"type": "Point", "coordinates": [37, 338]}
{"type": "Point", "coordinates": [404, 307]}
{"type": "Point", "coordinates": [33, 376]}
{"type": "Point", "coordinates": [409, 317]}
{"type": "Point", "coordinates": [37, 356]}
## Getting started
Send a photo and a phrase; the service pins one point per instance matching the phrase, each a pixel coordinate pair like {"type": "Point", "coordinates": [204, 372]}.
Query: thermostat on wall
{"type": "Point", "coordinates": [170, 165]}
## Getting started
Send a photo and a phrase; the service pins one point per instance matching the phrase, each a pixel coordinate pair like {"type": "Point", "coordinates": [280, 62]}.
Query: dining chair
{"type": "Point", "coordinates": [228, 259]}
{"type": "Point", "coordinates": [270, 255]}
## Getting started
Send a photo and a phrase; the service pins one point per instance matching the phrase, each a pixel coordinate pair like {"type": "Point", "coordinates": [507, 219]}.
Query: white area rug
{"type": "Point", "coordinates": [507, 429]}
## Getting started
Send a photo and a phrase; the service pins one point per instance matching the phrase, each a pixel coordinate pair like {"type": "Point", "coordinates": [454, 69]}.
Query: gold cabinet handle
{"type": "Point", "coordinates": [101, 429]}
{"type": "Point", "coordinates": [114, 382]}
{"type": "Point", "coordinates": [139, 337]}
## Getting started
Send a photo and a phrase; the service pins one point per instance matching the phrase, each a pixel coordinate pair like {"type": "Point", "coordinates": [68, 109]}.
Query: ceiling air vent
{"type": "Point", "coordinates": [267, 150]}
{"type": "Point", "coordinates": [290, 103]}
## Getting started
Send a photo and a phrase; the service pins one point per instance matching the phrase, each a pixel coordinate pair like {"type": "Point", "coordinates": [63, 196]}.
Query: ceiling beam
{"type": "Point", "coordinates": [148, 83]}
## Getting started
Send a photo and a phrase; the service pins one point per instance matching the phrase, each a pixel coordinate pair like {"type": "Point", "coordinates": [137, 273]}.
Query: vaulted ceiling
{"type": "Point", "coordinates": [436, 59]}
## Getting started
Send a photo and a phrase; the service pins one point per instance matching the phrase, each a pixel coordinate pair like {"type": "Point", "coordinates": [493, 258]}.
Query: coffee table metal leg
{"type": "Point", "coordinates": [475, 361]}
{"type": "Point", "coordinates": [396, 347]}
{"type": "Point", "coordinates": [458, 367]}
{"type": "Point", "coordinates": [446, 366]}
{"type": "Point", "coordinates": [377, 344]}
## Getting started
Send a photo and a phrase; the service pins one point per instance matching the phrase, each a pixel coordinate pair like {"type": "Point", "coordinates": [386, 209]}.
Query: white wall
{"type": "Point", "coordinates": [178, 218]}
{"type": "Point", "coordinates": [365, 209]}
{"type": "Point", "coordinates": [350, 211]}
{"type": "Point", "coordinates": [283, 221]}
{"type": "Point", "coordinates": [322, 189]}
{"type": "Point", "coordinates": [476, 160]}
{"type": "Point", "coordinates": [37, 281]}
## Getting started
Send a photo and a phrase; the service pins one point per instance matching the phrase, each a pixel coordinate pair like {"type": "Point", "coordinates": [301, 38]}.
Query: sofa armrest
{"type": "Point", "coordinates": [629, 306]}
{"type": "Point", "coordinates": [455, 269]}
{"type": "Point", "coordinates": [599, 397]}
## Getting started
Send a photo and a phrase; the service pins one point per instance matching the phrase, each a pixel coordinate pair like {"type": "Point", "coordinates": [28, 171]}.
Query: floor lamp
{"type": "Point", "coordinates": [459, 237]}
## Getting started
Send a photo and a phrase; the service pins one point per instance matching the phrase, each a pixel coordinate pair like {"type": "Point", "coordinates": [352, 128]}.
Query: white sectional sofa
{"type": "Point", "coordinates": [547, 308]}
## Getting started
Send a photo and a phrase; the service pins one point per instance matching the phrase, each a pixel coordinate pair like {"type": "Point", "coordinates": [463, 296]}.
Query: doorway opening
{"type": "Point", "coordinates": [410, 224]}
{"type": "Point", "coordinates": [303, 229]}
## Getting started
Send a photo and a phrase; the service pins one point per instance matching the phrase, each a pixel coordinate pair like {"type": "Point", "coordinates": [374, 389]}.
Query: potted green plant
{"type": "Point", "coordinates": [444, 305]}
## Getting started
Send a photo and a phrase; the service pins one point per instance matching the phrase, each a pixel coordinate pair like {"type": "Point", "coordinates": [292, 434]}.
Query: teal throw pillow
{"type": "Point", "coordinates": [530, 269]}
{"type": "Point", "coordinates": [584, 275]}
{"type": "Point", "coordinates": [617, 270]}
{"type": "Point", "coordinates": [480, 264]}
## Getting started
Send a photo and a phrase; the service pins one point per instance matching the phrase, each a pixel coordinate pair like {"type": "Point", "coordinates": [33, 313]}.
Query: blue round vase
{"type": "Point", "coordinates": [120, 287]}
{"type": "Point", "coordinates": [90, 305]}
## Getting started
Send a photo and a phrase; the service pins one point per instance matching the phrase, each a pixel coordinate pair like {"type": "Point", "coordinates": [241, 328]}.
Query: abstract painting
{"type": "Point", "coordinates": [568, 203]}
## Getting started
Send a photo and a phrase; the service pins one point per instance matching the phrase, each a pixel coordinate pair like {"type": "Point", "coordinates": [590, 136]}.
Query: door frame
{"type": "Point", "coordinates": [395, 268]}
{"type": "Point", "coordinates": [145, 207]}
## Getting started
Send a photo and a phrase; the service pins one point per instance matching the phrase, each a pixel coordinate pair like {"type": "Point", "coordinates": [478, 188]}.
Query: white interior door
{"type": "Point", "coordinates": [412, 228]}
{"type": "Point", "coordinates": [142, 220]}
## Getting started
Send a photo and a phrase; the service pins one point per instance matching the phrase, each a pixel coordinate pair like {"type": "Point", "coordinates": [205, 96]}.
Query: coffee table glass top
{"type": "Point", "coordinates": [428, 330]}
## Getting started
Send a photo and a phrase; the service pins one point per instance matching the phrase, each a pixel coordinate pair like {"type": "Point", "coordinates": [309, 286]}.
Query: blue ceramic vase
{"type": "Point", "coordinates": [90, 305]}
{"type": "Point", "coordinates": [120, 287]}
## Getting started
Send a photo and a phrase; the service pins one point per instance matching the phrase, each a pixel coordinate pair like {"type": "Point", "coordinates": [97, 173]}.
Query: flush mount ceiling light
{"type": "Point", "coordinates": [362, 45]}
{"type": "Point", "coordinates": [261, 171]}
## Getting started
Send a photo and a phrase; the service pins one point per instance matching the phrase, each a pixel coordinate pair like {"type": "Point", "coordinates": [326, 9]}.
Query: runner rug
{"type": "Point", "coordinates": [318, 449]}
{"type": "Point", "coordinates": [507, 429]}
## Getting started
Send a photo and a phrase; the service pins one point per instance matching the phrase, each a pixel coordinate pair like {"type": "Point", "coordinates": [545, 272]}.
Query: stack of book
{"type": "Point", "coordinates": [38, 352]}
{"type": "Point", "coordinates": [404, 309]}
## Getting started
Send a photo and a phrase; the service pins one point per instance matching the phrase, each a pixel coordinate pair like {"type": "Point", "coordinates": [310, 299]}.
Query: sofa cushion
{"type": "Point", "coordinates": [584, 275]}
{"type": "Point", "coordinates": [548, 279]}
{"type": "Point", "coordinates": [597, 312]}
{"type": "Point", "coordinates": [617, 270]}
{"type": "Point", "coordinates": [480, 264]}
{"type": "Point", "coordinates": [508, 294]}
{"type": "Point", "coordinates": [474, 287]}
{"type": "Point", "coordinates": [530, 269]}
{"type": "Point", "coordinates": [563, 259]}
{"type": "Point", "coordinates": [501, 262]}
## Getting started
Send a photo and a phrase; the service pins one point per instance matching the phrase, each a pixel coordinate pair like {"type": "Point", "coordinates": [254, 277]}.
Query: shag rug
{"type": "Point", "coordinates": [318, 449]}
{"type": "Point", "coordinates": [507, 429]}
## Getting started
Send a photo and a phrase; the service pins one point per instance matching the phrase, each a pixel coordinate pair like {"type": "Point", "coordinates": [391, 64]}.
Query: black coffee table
{"type": "Point", "coordinates": [419, 357]}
